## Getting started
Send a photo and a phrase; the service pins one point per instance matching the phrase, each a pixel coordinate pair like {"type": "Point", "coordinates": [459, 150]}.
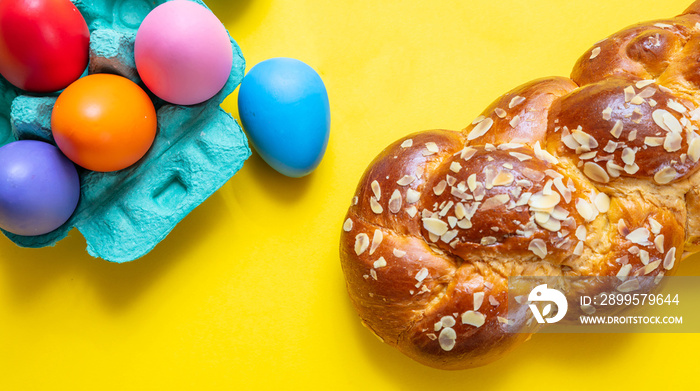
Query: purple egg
{"type": "Point", "coordinates": [39, 188]}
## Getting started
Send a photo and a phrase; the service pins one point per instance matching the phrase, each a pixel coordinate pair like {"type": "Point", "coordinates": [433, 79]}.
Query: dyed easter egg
{"type": "Point", "coordinates": [183, 52]}
{"type": "Point", "coordinates": [104, 122]}
{"type": "Point", "coordinates": [284, 109]}
{"type": "Point", "coordinates": [40, 188]}
{"type": "Point", "coordinates": [44, 44]}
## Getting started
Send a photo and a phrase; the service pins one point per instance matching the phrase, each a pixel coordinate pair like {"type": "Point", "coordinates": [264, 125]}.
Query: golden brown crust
{"type": "Point", "coordinates": [596, 175]}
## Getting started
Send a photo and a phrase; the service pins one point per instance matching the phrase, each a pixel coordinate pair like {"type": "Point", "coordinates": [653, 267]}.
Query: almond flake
{"type": "Point", "coordinates": [446, 208]}
{"type": "Point", "coordinates": [503, 179]}
{"type": "Point", "coordinates": [637, 100]}
{"type": "Point", "coordinates": [478, 119]}
{"type": "Point", "coordinates": [643, 83]}
{"type": "Point", "coordinates": [654, 141]}
{"type": "Point", "coordinates": [673, 105]}
{"type": "Point", "coordinates": [447, 321]}
{"type": "Point", "coordinates": [538, 247]}
{"type": "Point", "coordinates": [662, 118]}
{"type": "Point", "coordinates": [628, 155]}
{"type": "Point", "coordinates": [452, 221]}
{"type": "Point", "coordinates": [347, 227]}
{"type": "Point", "coordinates": [500, 112]}
{"type": "Point", "coordinates": [588, 155]}
{"type": "Point", "coordinates": [541, 217]}
{"type": "Point", "coordinates": [628, 286]}
{"type": "Point", "coordinates": [585, 139]}
{"type": "Point", "coordinates": [406, 180]}
{"type": "Point", "coordinates": [596, 172]}
{"type": "Point", "coordinates": [659, 243]}
{"type": "Point", "coordinates": [551, 225]}
{"type": "Point", "coordinates": [670, 259]}
{"type": "Point", "coordinates": [480, 129]}
{"type": "Point", "coordinates": [607, 113]}
{"type": "Point", "coordinates": [632, 135]}
{"type": "Point", "coordinates": [663, 25]}
{"type": "Point", "coordinates": [471, 182]}
{"type": "Point", "coordinates": [412, 210]}
{"type": "Point", "coordinates": [624, 271]}
{"type": "Point", "coordinates": [516, 101]}
{"type": "Point", "coordinates": [440, 188]}
{"type": "Point", "coordinates": [639, 236]}
{"type": "Point", "coordinates": [374, 205]}
{"type": "Point", "coordinates": [672, 143]}
{"type": "Point", "coordinates": [412, 196]}
{"type": "Point", "coordinates": [585, 210]}
{"type": "Point", "coordinates": [666, 175]}
{"type": "Point", "coordinates": [651, 267]}
{"type": "Point", "coordinates": [451, 180]}
{"type": "Point", "coordinates": [581, 233]}
{"type": "Point", "coordinates": [579, 248]}
{"type": "Point", "coordinates": [464, 224]}
{"type": "Point", "coordinates": [422, 274]}
{"type": "Point", "coordinates": [523, 157]}
{"type": "Point", "coordinates": [376, 190]}
{"type": "Point", "coordinates": [380, 263]}
{"type": "Point", "coordinates": [361, 243]}
{"type": "Point", "coordinates": [602, 202]}
{"type": "Point", "coordinates": [647, 93]}
{"type": "Point", "coordinates": [631, 168]}
{"type": "Point", "coordinates": [376, 241]}
{"type": "Point", "coordinates": [488, 240]}
{"type": "Point", "coordinates": [432, 147]}
{"type": "Point", "coordinates": [694, 149]}
{"type": "Point", "coordinates": [473, 318]}
{"type": "Point", "coordinates": [447, 339]}
{"type": "Point", "coordinates": [616, 130]}
{"type": "Point", "coordinates": [399, 253]}
{"type": "Point", "coordinates": [571, 142]}
{"type": "Point", "coordinates": [478, 299]}
{"type": "Point", "coordinates": [655, 226]}
{"type": "Point", "coordinates": [407, 143]}
{"type": "Point", "coordinates": [539, 201]}
{"type": "Point", "coordinates": [435, 226]}
{"type": "Point", "coordinates": [449, 235]}
{"type": "Point", "coordinates": [395, 202]}
{"type": "Point", "coordinates": [460, 210]}
{"type": "Point", "coordinates": [665, 89]}
{"type": "Point", "coordinates": [515, 121]}
{"type": "Point", "coordinates": [644, 257]}
{"type": "Point", "coordinates": [629, 93]}
{"type": "Point", "coordinates": [553, 174]}
{"type": "Point", "coordinates": [595, 52]}
{"type": "Point", "coordinates": [455, 167]}
{"type": "Point", "coordinates": [610, 147]}
{"type": "Point", "coordinates": [467, 153]}
{"type": "Point", "coordinates": [622, 228]}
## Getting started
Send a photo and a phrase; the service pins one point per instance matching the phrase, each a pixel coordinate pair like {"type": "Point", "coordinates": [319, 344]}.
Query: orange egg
{"type": "Point", "coordinates": [104, 122]}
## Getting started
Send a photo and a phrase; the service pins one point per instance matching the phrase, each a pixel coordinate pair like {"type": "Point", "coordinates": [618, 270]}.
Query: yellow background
{"type": "Point", "coordinates": [247, 292]}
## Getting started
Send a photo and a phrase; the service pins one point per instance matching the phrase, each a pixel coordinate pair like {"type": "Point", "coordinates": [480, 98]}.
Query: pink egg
{"type": "Point", "coordinates": [183, 53]}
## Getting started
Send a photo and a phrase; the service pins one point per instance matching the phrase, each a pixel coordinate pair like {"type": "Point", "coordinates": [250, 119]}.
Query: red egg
{"type": "Point", "coordinates": [44, 44]}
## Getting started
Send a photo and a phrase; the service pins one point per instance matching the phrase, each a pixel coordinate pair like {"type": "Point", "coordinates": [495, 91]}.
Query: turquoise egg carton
{"type": "Point", "coordinates": [124, 214]}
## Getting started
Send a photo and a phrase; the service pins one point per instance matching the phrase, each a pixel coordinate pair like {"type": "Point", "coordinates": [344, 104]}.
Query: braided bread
{"type": "Point", "coordinates": [596, 175]}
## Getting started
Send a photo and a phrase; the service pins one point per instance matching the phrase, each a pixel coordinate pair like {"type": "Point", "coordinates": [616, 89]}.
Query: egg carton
{"type": "Point", "coordinates": [124, 214]}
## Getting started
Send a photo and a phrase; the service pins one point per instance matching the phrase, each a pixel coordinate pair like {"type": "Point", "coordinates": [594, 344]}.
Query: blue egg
{"type": "Point", "coordinates": [284, 109]}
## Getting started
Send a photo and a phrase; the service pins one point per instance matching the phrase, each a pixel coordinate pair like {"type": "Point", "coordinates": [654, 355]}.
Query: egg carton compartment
{"type": "Point", "coordinates": [124, 214]}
